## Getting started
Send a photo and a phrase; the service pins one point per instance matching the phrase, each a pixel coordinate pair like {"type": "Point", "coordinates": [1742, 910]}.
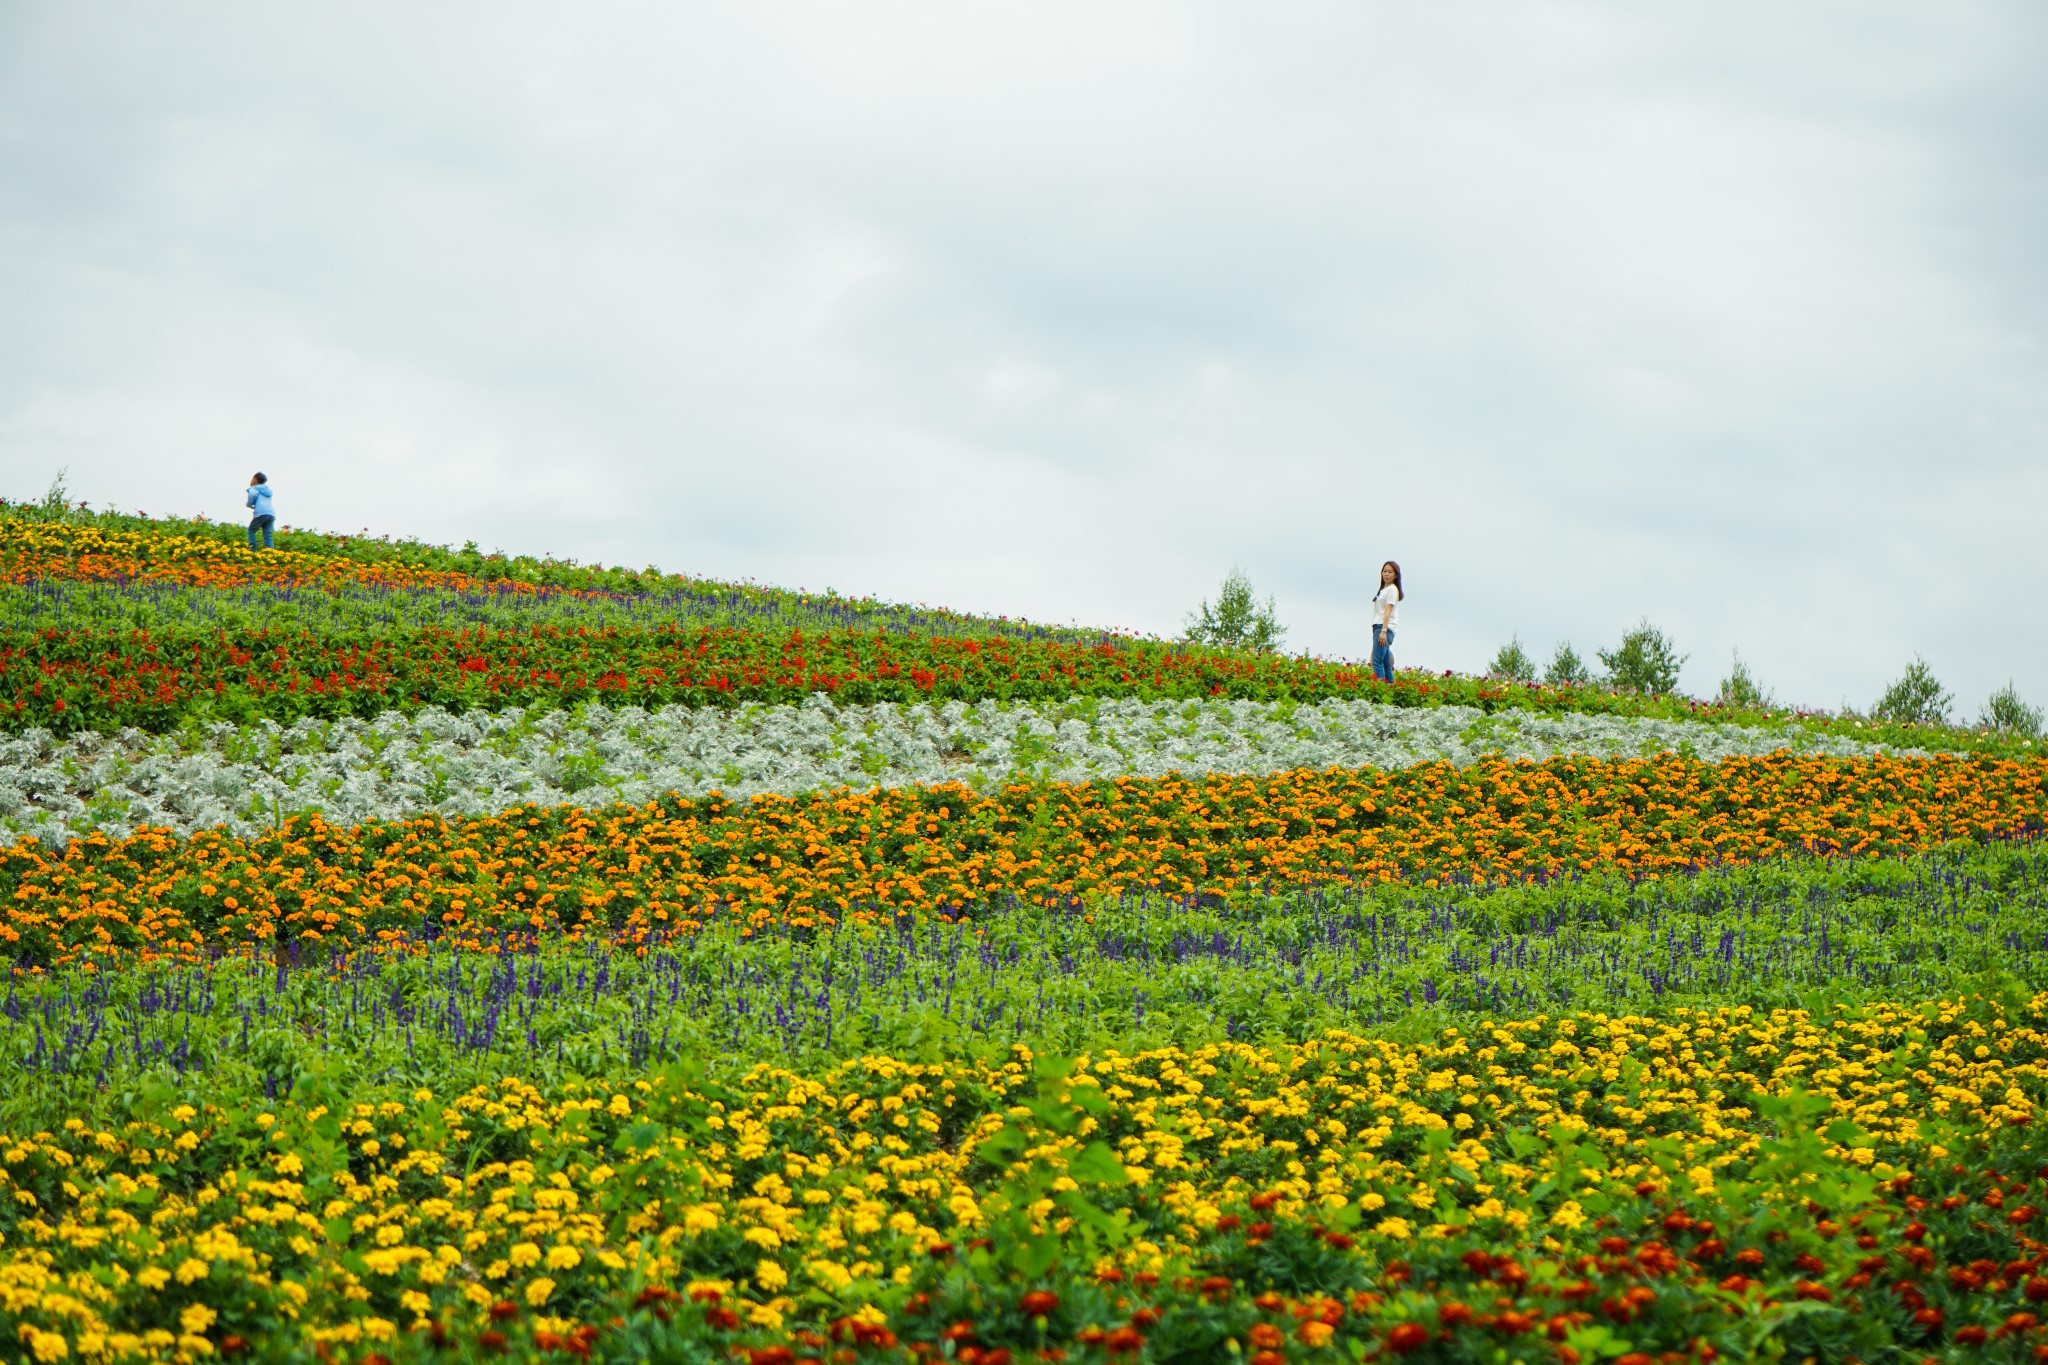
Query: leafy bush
{"type": "Point", "coordinates": [1740, 688]}
{"type": "Point", "coordinates": [2008, 714]}
{"type": "Point", "coordinates": [1237, 620]}
{"type": "Point", "coordinates": [1646, 660]}
{"type": "Point", "coordinates": [1567, 669]}
{"type": "Point", "coordinates": [1513, 662]}
{"type": "Point", "coordinates": [1917, 698]}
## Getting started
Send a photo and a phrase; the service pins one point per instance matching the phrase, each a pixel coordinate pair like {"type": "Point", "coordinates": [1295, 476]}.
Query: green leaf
{"type": "Point", "coordinates": [640, 1137]}
{"type": "Point", "coordinates": [1096, 1164]}
{"type": "Point", "coordinates": [1001, 1144]}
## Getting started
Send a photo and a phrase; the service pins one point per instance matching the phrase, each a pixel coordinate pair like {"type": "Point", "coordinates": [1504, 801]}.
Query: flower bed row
{"type": "Point", "coordinates": [1701, 1181]}
{"type": "Point", "coordinates": [1131, 972]}
{"type": "Point", "coordinates": [172, 553]}
{"type": "Point", "coordinates": [849, 856]}
{"type": "Point", "coordinates": [397, 767]}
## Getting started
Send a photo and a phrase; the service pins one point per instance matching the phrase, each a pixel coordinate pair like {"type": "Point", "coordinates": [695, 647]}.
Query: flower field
{"type": "Point", "coordinates": [426, 955]}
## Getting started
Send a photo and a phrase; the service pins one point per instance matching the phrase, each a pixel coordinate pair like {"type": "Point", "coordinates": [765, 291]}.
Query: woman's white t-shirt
{"type": "Point", "coordinates": [1389, 598]}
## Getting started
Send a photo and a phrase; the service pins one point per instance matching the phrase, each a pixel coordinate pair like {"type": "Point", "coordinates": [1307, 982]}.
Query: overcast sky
{"type": "Point", "coordinates": [1730, 316]}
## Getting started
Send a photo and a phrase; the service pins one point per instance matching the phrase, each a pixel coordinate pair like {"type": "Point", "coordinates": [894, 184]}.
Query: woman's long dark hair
{"type": "Point", "coordinates": [1400, 593]}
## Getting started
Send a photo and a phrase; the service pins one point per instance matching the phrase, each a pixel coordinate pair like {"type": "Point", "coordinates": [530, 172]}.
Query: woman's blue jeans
{"type": "Point", "coordinates": [263, 524]}
{"type": "Point", "coordinates": [1383, 654]}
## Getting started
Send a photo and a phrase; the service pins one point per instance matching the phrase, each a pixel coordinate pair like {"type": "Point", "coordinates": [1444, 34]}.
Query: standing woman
{"type": "Point", "coordinates": [1386, 612]}
{"type": "Point", "coordinates": [263, 515]}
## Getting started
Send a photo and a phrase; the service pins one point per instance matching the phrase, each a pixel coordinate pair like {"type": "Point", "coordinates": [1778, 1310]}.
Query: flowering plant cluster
{"type": "Point", "coordinates": [311, 644]}
{"type": "Point", "coordinates": [859, 855]}
{"type": "Point", "coordinates": [1700, 1182]}
{"type": "Point", "coordinates": [479, 763]}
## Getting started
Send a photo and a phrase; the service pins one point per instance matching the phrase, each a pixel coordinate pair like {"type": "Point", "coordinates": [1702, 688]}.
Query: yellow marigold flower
{"type": "Point", "coordinates": [46, 1345]}
{"type": "Point", "coordinates": [523, 1254]}
{"type": "Point", "coordinates": [537, 1291]}
{"type": "Point", "coordinates": [769, 1275]}
{"type": "Point", "coordinates": [564, 1258]}
{"type": "Point", "coordinates": [1396, 1228]}
{"type": "Point", "coordinates": [830, 1274]}
{"type": "Point", "coordinates": [762, 1237]}
{"type": "Point", "coordinates": [191, 1270]}
{"type": "Point", "coordinates": [1569, 1215]}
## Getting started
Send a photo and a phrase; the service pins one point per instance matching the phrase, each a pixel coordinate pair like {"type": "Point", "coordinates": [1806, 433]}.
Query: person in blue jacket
{"type": "Point", "coordinates": [264, 516]}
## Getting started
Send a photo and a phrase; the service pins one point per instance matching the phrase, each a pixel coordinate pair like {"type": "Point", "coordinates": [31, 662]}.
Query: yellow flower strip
{"type": "Point", "coordinates": [362, 1223]}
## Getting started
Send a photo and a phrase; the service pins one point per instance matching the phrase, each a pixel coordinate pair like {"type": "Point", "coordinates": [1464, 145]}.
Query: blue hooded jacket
{"type": "Point", "coordinates": [259, 501]}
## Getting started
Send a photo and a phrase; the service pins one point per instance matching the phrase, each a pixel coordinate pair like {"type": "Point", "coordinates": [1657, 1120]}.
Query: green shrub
{"type": "Point", "coordinates": [1917, 698]}
{"type": "Point", "coordinates": [2008, 714]}
{"type": "Point", "coordinates": [1567, 669]}
{"type": "Point", "coordinates": [1646, 660]}
{"type": "Point", "coordinates": [1513, 663]}
{"type": "Point", "coordinates": [1740, 688]}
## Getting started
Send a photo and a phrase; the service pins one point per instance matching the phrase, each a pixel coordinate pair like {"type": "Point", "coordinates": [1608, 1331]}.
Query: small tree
{"type": "Point", "coordinates": [1513, 663]}
{"type": "Point", "coordinates": [1739, 688]}
{"type": "Point", "coordinates": [1237, 620]}
{"type": "Point", "coordinates": [1567, 669]}
{"type": "Point", "coordinates": [56, 503]}
{"type": "Point", "coordinates": [1645, 661]}
{"type": "Point", "coordinates": [2009, 715]}
{"type": "Point", "coordinates": [1917, 698]}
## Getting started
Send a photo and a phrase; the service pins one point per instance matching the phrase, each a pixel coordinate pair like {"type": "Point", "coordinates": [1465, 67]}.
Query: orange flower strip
{"type": "Point", "coordinates": [848, 856]}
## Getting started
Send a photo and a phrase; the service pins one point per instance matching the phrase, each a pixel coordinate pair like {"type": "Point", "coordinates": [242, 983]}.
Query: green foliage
{"type": "Point", "coordinates": [1917, 698]}
{"type": "Point", "coordinates": [2007, 713]}
{"type": "Point", "coordinates": [1741, 690]}
{"type": "Point", "coordinates": [1513, 662]}
{"type": "Point", "coordinates": [1567, 669]}
{"type": "Point", "coordinates": [1646, 660]}
{"type": "Point", "coordinates": [1237, 621]}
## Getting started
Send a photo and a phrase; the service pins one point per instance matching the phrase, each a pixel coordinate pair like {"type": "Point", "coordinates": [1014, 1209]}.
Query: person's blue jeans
{"type": "Point", "coordinates": [263, 524]}
{"type": "Point", "coordinates": [1383, 654]}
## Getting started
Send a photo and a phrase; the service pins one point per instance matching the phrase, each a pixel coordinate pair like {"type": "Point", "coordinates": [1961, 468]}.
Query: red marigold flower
{"type": "Point", "coordinates": [1124, 1339]}
{"type": "Point", "coordinates": [1971, 1336]}
{"type": "Point", "coordinates": [1408, 1337]}
{"type": "Point", "coordinates": [1453, 1314]}
{"type": "Point", "coordinates": [1039, 1303]}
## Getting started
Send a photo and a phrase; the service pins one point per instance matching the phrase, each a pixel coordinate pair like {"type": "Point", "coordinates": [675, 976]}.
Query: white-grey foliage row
{"type": "Point", "coordinates": [479, 763]}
